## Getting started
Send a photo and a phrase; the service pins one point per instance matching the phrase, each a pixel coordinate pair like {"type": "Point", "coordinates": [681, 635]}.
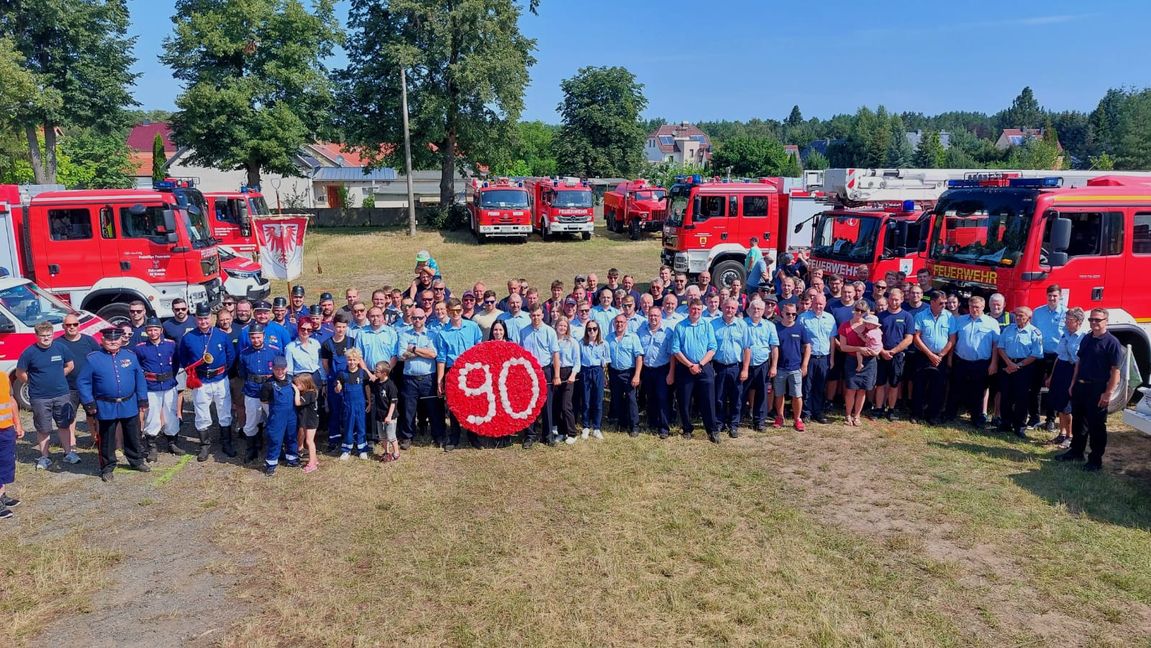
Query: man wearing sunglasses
{"type": "Point", "coordinates": [1092, 387]}
{"type": "Point", "coordinates": [80, 345]}
{"type": "Point", "coordinates": [137, 313]}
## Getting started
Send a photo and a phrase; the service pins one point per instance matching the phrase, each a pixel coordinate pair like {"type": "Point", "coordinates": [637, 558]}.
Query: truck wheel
{"type": "Point", "coordinates": [585, 236]}
{"type": "Point", "coordinates": [115, 314]}
{"type": "Point", "coordinates": [20, 393]}
{"type": "Point", "coordinates": [724, 271]}
{"type": "Point", "coordinates": [633, 229]}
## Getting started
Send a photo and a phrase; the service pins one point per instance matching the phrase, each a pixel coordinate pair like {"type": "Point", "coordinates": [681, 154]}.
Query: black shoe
{"type": "Point", "coordinates": [733, 432]}
{"type": "Point", "coordinates": [934, 422]}
{"type": "Point", "coordinates": [106, 477]}
{"type": "Point", "coordinates": [476, 444]}
{"type": "Point", "coordinates": [1057, 440]}
{"type": "Point", "coordinates": [1092, 467]}
{"type": "Point", "coordinates": [150, 450]}
{"type": "Point", "coordinates": [713, 437]}
{"type": "Point", "coordinates": [405, 444]}
{"type": "Point", "coordinates": [332, 448]}
{"type": "Point", "coordinates": [5, 513]}
{"type": "Point", "coordinates": [174, 446]}
{"type": "Point", "coordinates": [1050, 426]}
{"type": "Point", "coordinates": [686, 435]}
{"type": "Point", "coordinates": [10, 502]}
{"type": "Point", "coordinates": [449, 447]}
{"type": "Point", "coordinates": [1032, 423]}
{"type": "Point", "coordinates": [269, 471]}
{"type": "Point", "coordinates": [978, 423]}
{"type": "Point", "coordinates": [633, 433]}
{"type": "Point", "coordinates": [891, 415]}
{"type": "Point", "coordinates": [757, 427]}
{"type": "Point", "coordinates": [663, 434]}
{"type": "Point", "coordinates": [1068, 456]}
{"type": "Point", "coordinates": [528, 443]}
{"type": "Point", "coordinates": [1021, 433]}
{"type": "Point", "coordinates": [142, 467]}
{"type": "Point", "coordinates": [205, 450]}
{"type": "Point", "coordinates": [821, 419]}
{"type": "Point", "coordinates": [251, 449]}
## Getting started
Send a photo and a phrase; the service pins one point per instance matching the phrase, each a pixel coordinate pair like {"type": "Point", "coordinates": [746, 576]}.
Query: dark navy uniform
{"type": "Point", "coordinates": [280, 431]}
{"type": "Point", "coordinates": [1098, 357]}
{"type": "Point", "coordinates": [274, 335]}
{"type": "Point", "coordinates": [212, 354]}
{"type": "Point", "coordinates": [112, 388]}
{"type": "Point", "coordinates": [255, 368]}
{"type": "Point", "coordinates": [175, 331]}
{"type": "Point", "coordinates": [158, 362]}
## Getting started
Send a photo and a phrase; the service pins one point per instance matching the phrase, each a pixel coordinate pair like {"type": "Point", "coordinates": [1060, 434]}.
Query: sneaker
{"type": "Point", "coordinates": [891, 415]}
{"type": "Point", "coordinates": [72, 458]}
{"type": "Point", "coordinates": [405, 444]}
{"type": "Point", "coordinates": [777, 423]}
{"type": "Point", "coordinates": [5, 513]}
{"type": "Point", "coordinates": [571, 440]}
{"type": "Point", "coordinates": [1057, 440]}
{"type": "Point", "coordinates": [295, 463]}
{"type": "Point", "coordinates": [107, 477]}
{"type": "Point", "coordinates": [449, 447]}
{"type": "Point", "coordinates": [10, 502]}
{"type": "Point", "coordinates": [821, 419]}
{"type": "Point", "coordinates": [344, 456]}
{"type": "Point", "coordinates": [311, 468]}
{"type": "Point", "coordinates": [1050, 425]}
{"type": "Point", "coordinates": [585, 434]}
{"type": "Point", "coordinates": [43, 463]}
{"type": "Point", "coordinates": [269, 471]}
{"type": "Point", "coordinates": [362, 455]}
{"type": "Point", "coordinates": [799, 427]}
{"type": "Point", "coordinates": [598, 434]}
{"type": "Point", "coordinates": [1032, 423]}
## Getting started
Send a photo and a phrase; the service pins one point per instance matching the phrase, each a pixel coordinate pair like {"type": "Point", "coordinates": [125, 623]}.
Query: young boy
{"type": "Point", "coordinates": [384, 394]}
{"type": "Point", "coordinates": [873, 338]}
{"type": "Point", "coordinates": [353, 385]}
{"type": "Point", "coordinates": [10, 430]}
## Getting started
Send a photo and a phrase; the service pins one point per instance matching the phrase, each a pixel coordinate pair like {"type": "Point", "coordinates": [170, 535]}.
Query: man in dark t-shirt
{"type": "Point", "coordinates": [80, 345]}
{"type": "Point", "coordinates": [44, 367]}
{"type": "Point", "coordinates": [1092, 387]}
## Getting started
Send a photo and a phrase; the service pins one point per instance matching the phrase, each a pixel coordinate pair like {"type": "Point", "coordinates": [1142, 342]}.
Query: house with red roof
{"type": "Point", "coordinates": [681, 143]}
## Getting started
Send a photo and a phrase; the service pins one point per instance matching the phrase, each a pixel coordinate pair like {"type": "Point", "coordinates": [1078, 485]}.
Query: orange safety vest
{"type": "Point", "coordinates": [7, 414]}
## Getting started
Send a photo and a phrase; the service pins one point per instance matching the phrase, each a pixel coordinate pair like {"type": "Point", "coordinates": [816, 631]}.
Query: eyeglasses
{"type": "Point", "coordinates": [135, 312]}
{"type": "Point", "coordinates": [592, 328]}
{"type": "Point", "coordinates": [787, 314]}
{"type": "Point", "coordinates": [306, 330]}
{"type": "Point", "coordinates": [489, 301]}
{"type": "Point", "coordinates": [861, 310]}
{"type": "Point", "coordinates": [456, 310]}
{"type": "Point", "coordinates": [585, 310]}
{"type": "Point", "coordinates": [229, 304]}
{"type": "Point", "coordinates": [1096, 320]}
{"type": "Point", "coordinates": [71, 324]}
{"type": "Point", "coordinates": [177, 310]}
{"type": "Point", "coordinates": [419, 317]}
{"type": "Point", "coordinates": [881, 286]}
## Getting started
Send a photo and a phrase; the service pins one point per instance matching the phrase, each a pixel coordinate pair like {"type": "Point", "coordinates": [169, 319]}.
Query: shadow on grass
{"type": "Point", "coordinates": [995, 452]}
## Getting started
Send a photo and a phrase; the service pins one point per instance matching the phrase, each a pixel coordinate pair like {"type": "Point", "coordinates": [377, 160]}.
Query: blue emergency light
{"type": "Point", "coordinates": [164, 185]}
{"type": "Point", "coordinates": [1038, 183]}
{"type": "Point", "coordinates": [908, 205]}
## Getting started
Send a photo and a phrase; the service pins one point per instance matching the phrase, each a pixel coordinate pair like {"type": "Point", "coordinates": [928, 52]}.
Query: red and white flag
{"type": "Point", "coordinates": [281, 241]}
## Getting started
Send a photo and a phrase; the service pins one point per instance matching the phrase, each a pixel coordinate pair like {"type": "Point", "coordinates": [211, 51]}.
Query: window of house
{"type": "Point", "coordinates": [69, 224]}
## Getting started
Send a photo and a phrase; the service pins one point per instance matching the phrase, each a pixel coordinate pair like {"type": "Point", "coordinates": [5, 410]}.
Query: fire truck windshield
{"type": "Point", "coordinates": [572, 199]}
{"type": "Point", "coordinates": [982, 227]}
{"type": "Point", "coordinates": [504, 199]}
{"type": "Point", "coordinates": [194, 210]}
{"type": "Point", "coordinates": [648, 195]}
{"type": "Point", "coordinates": [31, 305]}
{"type": "Point", "coordinates": [845, 237]}
{"type": "Point", "coordinates": [257, 206]}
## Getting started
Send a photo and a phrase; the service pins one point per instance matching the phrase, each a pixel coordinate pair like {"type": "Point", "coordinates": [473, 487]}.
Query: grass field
{"type": "Point", "coordinates": [886, 535]}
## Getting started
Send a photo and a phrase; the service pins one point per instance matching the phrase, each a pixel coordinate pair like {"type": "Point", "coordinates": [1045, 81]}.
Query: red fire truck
{"type": "Point", "coordinates": [98, 250]}
{"type": "Point", "coordinates": [1018, 236]}
{"type": "Point", "coordinates": [635, 206]}
{"type": "Point", "coordinates": [230, 216]}
{"type": "Point", "coordinates": [561, 206]}
{"type": "Point", "coordinates": [499, 208]}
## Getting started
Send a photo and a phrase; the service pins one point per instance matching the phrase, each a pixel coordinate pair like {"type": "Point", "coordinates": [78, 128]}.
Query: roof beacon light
{"type": "Point", "coordinates": [908, 205]}
{"type": "Point", "coordinates": [1049, 182]}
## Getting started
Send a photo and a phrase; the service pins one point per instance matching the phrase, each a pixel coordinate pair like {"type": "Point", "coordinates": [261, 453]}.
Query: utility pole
{"type": "Point", "coordinates": [408, 154]}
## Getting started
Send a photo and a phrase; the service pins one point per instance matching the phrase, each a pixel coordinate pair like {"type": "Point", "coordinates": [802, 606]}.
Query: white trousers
{"type": "Point", "coordinates": [255, 413]}
{"type": "Point", "coordinates": [162, 413]}
{"type": "Point", "coordinates": [215, 392]}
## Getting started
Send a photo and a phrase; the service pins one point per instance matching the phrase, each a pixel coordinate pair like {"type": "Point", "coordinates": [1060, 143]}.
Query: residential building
{"type": "Point", "coordinates": [681, 143]}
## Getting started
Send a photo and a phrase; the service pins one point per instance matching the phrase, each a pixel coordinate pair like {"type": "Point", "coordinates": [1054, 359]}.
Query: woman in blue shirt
{"type": "Point", "coordinates": [1059, 382]}
{"type": "Point", "coordinates": [593, 358]}
{"type": "Point", "coordinates": [564, 380]}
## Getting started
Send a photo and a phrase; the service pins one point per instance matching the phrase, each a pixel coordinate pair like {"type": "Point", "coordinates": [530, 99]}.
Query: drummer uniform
{"type": "Point", "coordinates": [158, 362]}
{"type": "Point", "coordinates": [215, 349]}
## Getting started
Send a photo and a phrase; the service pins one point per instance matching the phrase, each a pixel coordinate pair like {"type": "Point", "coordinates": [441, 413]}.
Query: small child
{"type": "Point", "coordinates": [384, 394]}
{"type": "Point", "coordinates": [352, 385]}
{"type": "Point", "coordinates": [307, 415]}
{"type": "Point", "coordinates": [873, 341]}
{"type": "Point", "coordinates": [10, 430]}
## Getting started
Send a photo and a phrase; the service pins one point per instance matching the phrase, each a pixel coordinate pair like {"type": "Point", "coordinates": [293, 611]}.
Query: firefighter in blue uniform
{"type": "Point", "coordinates": [274, 334]}
{"type": "Point", "coordinates": [297, 309]}
{"type": "Point", "coordinates": [113, 391]}
{"type": "Point", "coordinates": [157, 357]}
{"type": "Point", "coordinates": [255, 368]}
{"type": "Point", "coordinates": [280, 316]}
{"type": "Point", "coordinates": [280, 397]}
{"type": "Point", "coordinates": [207, 353]}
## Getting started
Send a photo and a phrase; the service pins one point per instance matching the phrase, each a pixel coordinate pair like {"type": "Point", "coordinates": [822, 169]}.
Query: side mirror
{"type": "Point", "coordinates": [922, 245]}
{"type": "Point", "coordinates": [902, 251]}
{"type": "Point", "coordinates": [1057, 259]}
{"type": "Point", "coordinates": [798, 227]}
{"type": "Point", "coordinates": [170, 225]}
{"type": "Point", "coordinates": [1060, 235]}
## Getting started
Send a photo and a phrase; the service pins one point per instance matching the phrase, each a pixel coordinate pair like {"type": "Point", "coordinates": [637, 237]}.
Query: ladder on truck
{"type": "Point", "coordinates": [856, 187]}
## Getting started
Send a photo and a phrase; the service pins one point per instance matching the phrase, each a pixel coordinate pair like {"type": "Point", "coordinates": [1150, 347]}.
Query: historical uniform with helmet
{"type": "Point", "coordinates": [255, 368]}
{"type": "Point", "coordinates": [157, 357]}
{"type": "Point", "coordinates": [112, 389]}
{"type": "Point", "coordinates": [206, 354]}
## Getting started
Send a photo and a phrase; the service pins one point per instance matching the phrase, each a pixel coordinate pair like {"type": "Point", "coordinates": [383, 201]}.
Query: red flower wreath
{"type": "Point", "coordinates": [491, 392]}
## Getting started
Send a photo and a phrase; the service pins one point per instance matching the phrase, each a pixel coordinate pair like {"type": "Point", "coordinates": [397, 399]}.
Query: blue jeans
{"type": "Point", "coordinates": [592, 397]}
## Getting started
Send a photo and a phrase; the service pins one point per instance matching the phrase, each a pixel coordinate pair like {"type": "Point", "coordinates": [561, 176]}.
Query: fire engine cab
{"type": "Point", "coordinates": [1016, 236]}
{"type": "Point", "coordinates": [98, 250]}
{"type": "Point", "coordinates": [499, 208]}
{"type": "Point", "coordinates": [634, 207]}
{"type": "Point", "coordinates": [561, 206]}
{"type": "Point", "coordinates": [230, 216]}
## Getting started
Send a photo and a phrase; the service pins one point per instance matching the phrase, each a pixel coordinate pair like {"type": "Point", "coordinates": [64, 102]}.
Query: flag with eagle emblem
{"type": "Point", "coordinates": [281, 241]}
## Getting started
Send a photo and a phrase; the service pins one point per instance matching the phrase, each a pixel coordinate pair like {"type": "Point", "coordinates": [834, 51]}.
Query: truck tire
{"type": "Point", "coordinates": [585, 236]}
{"type": "Point", "coordinates": [723, 272]}
{"type": "Point", "coordinates": [115, 313]}
{"type": "Point", "coordinates": [20, 393]}
{"type": "Point", "coordinates": [633, 230]}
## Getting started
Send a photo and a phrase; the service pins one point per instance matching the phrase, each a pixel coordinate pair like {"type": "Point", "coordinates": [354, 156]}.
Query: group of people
{"type": "Point", "coordinates": [370, 371]}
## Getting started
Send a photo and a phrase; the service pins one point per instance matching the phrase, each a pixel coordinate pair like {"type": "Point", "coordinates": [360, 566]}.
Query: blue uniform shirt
{"type": "Point", "coordinates": [195, 345]}
{"type": "Point", "coordinates": [757, 274]}
{"type": "Point", "coordinates": [656, 345]}
{"type": "Point", "coordinates": [1068, 348]}
{"type": "Point", "coordinates": [635, 322]}
{"type": "Point", "coordinates": [255, 368]}
{"type": "Point", "coordinates": [302, 358]}
{"type": "Point", "coordinates": [672, 320]}
{"type": "Point", "coordinates": [1051, 324]}
{"type": "Point", "coordinates": [791, 341]}
{"type": "Point", "coordinates": [515, 324]}
{"type": "Point", "coordinates": [731, 338]}
{"type": "Point", "coordinates": [975, 338]}
{"type": "Point", "coordinates": [415, 365]}
{"type": "Point", "coordinates": [274, 335]}
{"type": "Point", "coordinates": [934, 331]}
{"type": "Point", "coordinates": [1018, 343]}
{"type": "Point", "coordinates": [158, 360]}
{"type": "Point", "coordinates": [693, 340]}
{"type": "Point", "coordinates": [108, 377]}
{"type": "Point", "coordinates": [452, 342]}
{"type": "Point", "coordinates": [569, 353]}
{"type": "Point", "coordinates": [541, 343]}
{"type": "Point", "coordinates": [604, 316]}
{"type": "Point", "coordinates": [375, 346]}
{"type": "Point", "coordinates": [762, 337]}
{"type": "Point", "coordinates": [593, 355]}
{"type": "Point", "coordinates": [820, 329]}
{"type": "Point", "coordinates": [624, 351]}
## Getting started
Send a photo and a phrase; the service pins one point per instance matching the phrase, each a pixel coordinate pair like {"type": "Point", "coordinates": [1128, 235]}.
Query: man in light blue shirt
{"type": "Point", "coordinates": [515, 319]}
{"type": "Point", "coordinates": [540, 340]}
{"type": "Point", "coordinates": [934, 339]}
{"type": "Point", "coordinates": [974, 361]}
{"type": "Point", "coordinates": [655, 338]}
{"type": "Point", "coordinates": [418, 389]}
{"type": "Point", "coordinates": [671, 314]}
{"type": "Point", "coordinates": [455, 337]}
{"type": "Point", "coordinates": [693, 347]}
{"type": "Point", "coordinates": [604, 312]}
{"type": "Point", "coordinates": [732, 361]}
{"type": "Point", "coordinates": [634, 319]}
{"type": "Point", "coordinates": [764, 339]}
{"type": "Point", "coordinates": [1020, 350]}
{"type": "Point", "coordinates": [821, 330]}
{"type": "Point", "coordinates": [1050, 319]}
{"type": "Point", "coordinates": [624, 373]}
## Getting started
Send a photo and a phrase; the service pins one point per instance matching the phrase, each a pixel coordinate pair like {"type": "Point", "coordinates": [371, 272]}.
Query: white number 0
{"type": "Point", "coordinates": [485, 389]}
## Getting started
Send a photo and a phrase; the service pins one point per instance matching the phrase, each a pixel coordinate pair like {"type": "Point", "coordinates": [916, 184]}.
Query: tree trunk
{"type": "Point", "coordinates": [34, 155]}
{"type": "Point", "coordinates": [253, 169]}
{"type": "Point", "coordinates": [50, 152]}
{"type": "Point", "coordinates": [448, 170]}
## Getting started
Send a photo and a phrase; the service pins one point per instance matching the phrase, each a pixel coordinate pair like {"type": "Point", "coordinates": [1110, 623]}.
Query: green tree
{"type": "Point", "coordinates": [530, 151]}
{"type": "Point", "coordinates": [816, 161]}
{"type": "Point", "coordinates": [750, 156]}
{"type": "Point", "coordinates": [899, 152]}
{"type": "Point", "coordinates": [791, 167]}
{"type": "Point", "coordinates": [80, 56]}
{"type": "Point", "coordinates": [601, 134]}
{"type": "Point", "coordinates": [1024, 112]}
{"type": "Point", "coordinates": [1104, 123]}
{"type": "Point", "coordinates": [256, 84]}
{"type": "Point", "coordinates": [795, 118]}
{"type": "Point", "coordinates": [467, 67]}
{"type": "Point", "coordinates": [159, 159]}
{"type": "Point", "coordinates": [96, 160]}
{"type": "Point", "coordinates": [1102, 162]}
{"type": "Point", "coordinates": [930, 153]}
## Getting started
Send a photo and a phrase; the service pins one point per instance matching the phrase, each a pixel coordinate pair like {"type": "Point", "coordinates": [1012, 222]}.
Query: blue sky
{"type": "Point", "coordinates": [741, 58]}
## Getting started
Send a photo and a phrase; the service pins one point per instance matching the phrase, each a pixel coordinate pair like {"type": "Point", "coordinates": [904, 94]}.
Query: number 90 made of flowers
{"type": "Point", "coordinates": [496, 389]}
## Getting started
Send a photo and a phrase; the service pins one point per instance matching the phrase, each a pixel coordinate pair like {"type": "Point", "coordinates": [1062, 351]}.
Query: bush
{"type": "Point", "coordinates": [453, 217]}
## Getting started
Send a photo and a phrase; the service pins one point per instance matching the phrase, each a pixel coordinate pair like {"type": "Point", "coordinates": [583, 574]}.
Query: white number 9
{"type": "Point", "coordinates": [484, 389]}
